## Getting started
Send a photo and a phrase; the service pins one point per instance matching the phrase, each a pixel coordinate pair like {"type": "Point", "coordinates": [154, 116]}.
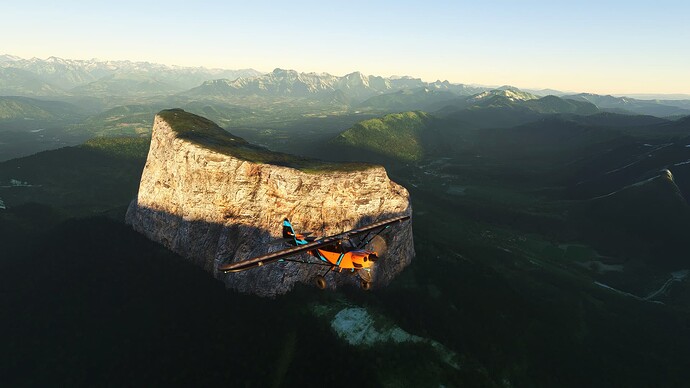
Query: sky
{"type": "Point", "coordinates": [617, 47]}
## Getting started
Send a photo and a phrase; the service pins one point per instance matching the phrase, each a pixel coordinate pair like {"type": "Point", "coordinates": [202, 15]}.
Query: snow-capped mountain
{"type": "Point", "coordinates": [356, 87]}
{"type": "Point", "coordinates": [504, 94]}
{"type": "Point", "coordinates": [282, 82]}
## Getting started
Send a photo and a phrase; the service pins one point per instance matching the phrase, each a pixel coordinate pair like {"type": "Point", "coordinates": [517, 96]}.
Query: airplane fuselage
{"type": "Point", "coordinates": [353, 259]}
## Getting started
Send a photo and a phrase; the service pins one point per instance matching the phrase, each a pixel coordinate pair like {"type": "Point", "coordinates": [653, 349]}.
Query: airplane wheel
{"type": "Point", "coordinates": [320, 282]}
{"type": "Point", "coordinates": [365, 285]}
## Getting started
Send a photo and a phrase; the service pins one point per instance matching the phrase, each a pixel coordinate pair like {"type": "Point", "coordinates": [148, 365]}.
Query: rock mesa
{"type": "Point", "coordinates": [213, 197]}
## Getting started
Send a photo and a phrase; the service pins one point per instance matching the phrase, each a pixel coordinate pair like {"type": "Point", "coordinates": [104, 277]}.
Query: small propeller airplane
{"type": "Point", "coordinates": [338, 252]}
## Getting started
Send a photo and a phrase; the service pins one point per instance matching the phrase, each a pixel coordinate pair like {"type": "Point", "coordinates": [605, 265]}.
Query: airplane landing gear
{"type": "Point", "coordinates": [320, 282]}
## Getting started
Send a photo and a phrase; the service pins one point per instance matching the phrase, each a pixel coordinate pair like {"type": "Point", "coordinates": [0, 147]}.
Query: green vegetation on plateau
{"type": "Point", "coordinates": [397, 135]}
{"type": "Point", "coordinates": [208, 134]}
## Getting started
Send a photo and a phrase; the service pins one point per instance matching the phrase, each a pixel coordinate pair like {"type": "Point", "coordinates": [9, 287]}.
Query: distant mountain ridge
{"type": "Point", "coordinates": [627, 105]}
{"type": "Point", "coordinates": [56, 76]}
{"type": "Point", "coordinates": [355, 87]}
{"type": "Point", "coordinates": [534, 126]}
{"type": "Point", "coordinates": [66, 78]}
{"type": "Point", "coordinates": [282, 82]}
{"type": "Point", "coordinates": [507, 107]}
{"type": "Point", "coordinates": [432, 98]}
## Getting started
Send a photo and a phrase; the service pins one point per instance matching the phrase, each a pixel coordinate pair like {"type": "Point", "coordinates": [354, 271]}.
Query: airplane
{"type": "Point", "coordinates": [338, 252]}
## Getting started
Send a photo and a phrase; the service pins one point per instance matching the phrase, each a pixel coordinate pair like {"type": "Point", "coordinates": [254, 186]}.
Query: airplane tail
{"type": "Point", "coordinates": [296, 239]}
{"type": "Point", "coordinates": [288, 231]}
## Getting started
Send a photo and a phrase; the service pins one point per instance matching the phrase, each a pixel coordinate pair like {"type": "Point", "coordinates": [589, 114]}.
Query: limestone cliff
{"type": "Point", "coordinates": [214, 198]}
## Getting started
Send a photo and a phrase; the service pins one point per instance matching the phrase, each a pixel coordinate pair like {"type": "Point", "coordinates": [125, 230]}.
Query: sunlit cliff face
{"type": "Point", "coordinates": [213, 207]}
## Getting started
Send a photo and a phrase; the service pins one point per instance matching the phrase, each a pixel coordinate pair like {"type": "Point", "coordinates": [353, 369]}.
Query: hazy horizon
{"type": "Point", "coordinates": [615, 48]}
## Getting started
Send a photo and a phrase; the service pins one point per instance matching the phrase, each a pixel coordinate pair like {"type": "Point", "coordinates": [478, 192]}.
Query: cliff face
{"type": "Point", "coordinates": [214, 198]}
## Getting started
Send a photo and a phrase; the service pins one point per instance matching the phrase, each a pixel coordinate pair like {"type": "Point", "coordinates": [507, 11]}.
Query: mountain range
{"type": "Point", "coordinates": [352, 88]}
{"type": "Point", "coordinates": [627, 105]}
{"type": "Point", "coordinates": [56, 76]}
{"type": "Point", "coordinates": [517, 125]}
{"type": "Point", "coordinates": [449, 100]}
{"type": "Point", "coordinates": [59, 78]}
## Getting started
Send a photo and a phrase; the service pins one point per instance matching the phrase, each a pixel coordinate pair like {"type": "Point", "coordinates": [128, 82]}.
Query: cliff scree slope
{"type": "Point", "coordinates": [214, 198]}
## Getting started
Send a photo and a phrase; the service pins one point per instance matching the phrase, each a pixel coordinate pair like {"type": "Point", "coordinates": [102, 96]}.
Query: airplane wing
{"type": "Point", "coordinates": [370, 227]}
{"type": "Point", "coordinates": [275, 256]}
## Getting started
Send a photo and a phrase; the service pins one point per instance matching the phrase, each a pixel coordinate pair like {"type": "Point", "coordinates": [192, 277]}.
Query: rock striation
{"type": "Point", "coordinates": [214, 198]}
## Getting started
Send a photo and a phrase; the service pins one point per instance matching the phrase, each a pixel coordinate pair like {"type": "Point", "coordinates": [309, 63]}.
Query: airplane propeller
{"type": "Point", "coordinates": [378, 245]}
